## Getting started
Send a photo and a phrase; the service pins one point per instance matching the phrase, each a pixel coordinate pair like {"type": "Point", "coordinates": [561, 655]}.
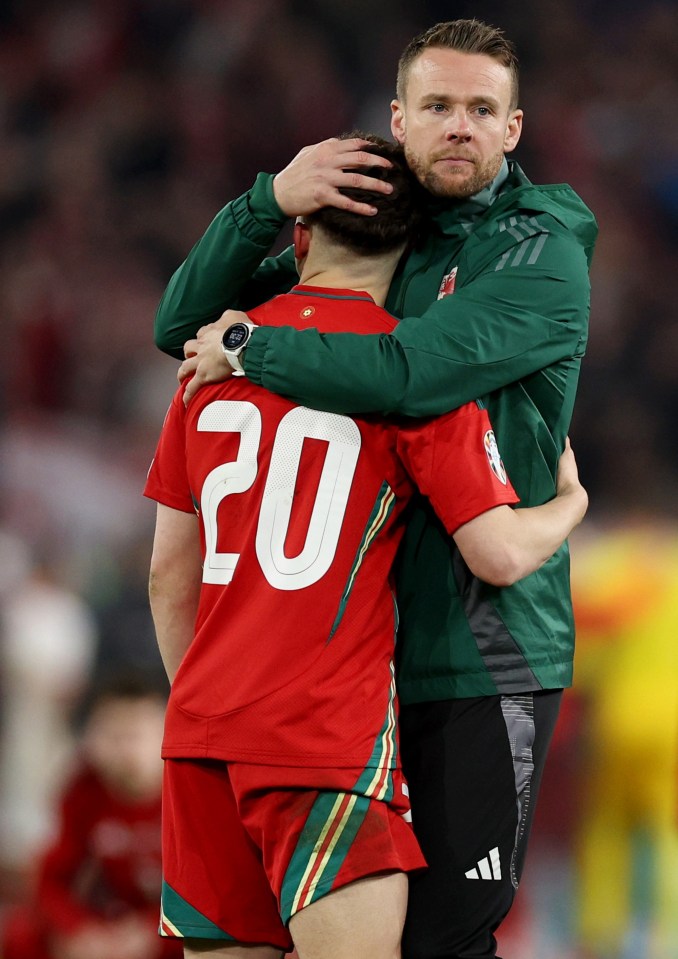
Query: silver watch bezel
{"type": "Point", "coordinates": [233, 355]}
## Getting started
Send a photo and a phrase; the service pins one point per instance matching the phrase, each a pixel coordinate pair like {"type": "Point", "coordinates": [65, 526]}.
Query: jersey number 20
{"type": "Point", "coordinates": [343, 439]}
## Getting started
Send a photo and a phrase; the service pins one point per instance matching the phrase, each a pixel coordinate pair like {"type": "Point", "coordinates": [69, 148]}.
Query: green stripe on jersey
{"type": "Point", "coordinates": [378, 517]}
{"type": "Point", "coordinates": [377, 781]}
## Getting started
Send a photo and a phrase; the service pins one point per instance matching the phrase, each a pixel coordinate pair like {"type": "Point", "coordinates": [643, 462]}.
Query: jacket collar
{"type": "Point", "coordinates": [509, 193]}
{"type": "Point", "coordinates": [459, 217]}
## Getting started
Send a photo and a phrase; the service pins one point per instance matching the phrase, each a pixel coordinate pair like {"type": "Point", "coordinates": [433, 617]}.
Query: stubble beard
{"type": "Point", "coordinates": [453, 185]}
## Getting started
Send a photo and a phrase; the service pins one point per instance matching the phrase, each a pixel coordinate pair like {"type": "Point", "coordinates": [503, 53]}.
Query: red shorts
{"type": "Point", "coordinates": [243, 850]}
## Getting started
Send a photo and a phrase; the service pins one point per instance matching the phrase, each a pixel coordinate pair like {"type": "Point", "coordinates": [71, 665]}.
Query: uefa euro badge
{"type": "Point", "coordinates": [447, 284]}
{"type": "Point", "coordinates": [493, 456]}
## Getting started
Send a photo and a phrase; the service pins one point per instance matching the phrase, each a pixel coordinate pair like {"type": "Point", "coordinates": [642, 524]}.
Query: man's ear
{"type": "Point", "coordinates": [398, 121]}
{"type": "Point", "coordinates": [514, 128]}
{"type": "Point", "coordinates": [301, 238]}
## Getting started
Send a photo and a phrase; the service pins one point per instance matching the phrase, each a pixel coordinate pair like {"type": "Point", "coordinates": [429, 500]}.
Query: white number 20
{"type": "Point", "coordinates": [282, 571]}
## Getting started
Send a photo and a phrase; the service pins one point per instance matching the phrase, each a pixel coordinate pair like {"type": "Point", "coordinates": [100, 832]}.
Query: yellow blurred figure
{"type": "Point", "coordinates": [625, 585]}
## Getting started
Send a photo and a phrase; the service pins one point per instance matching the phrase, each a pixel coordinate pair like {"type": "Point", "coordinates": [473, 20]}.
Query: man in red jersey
{"type": "Point", "coordinates": [285, 808]}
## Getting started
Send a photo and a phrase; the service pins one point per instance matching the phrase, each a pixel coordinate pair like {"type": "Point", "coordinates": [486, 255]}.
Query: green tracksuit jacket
{"type": "Point", "coordinates": [512, 333]}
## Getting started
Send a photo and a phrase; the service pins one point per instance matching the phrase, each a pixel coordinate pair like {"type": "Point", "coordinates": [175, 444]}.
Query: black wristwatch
{"type": "Point", "coordinates": [233, 342]}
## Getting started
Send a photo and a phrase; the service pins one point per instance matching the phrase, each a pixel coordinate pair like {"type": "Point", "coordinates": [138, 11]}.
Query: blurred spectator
{"type": "Point", "coordinates": [625, 587]}
{"type": "Point", "coordinates": [97, 889]}
{"type": "Point", "coordinates": [47, 647]}
{"type": "Point", "coordinates": [603, 876]}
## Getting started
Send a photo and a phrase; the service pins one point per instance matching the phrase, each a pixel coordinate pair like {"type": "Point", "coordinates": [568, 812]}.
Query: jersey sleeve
{"type": "Point", "coordinates": [167, 481]}
{"type": "Point", "coordinates": [505, 324]}
{"type": "Point", "coordinates": [455, 463]}
{"type": "Point", "coordinates": [225, 269]}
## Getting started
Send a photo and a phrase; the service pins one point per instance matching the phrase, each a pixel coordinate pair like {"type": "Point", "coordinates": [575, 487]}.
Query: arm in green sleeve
{"type": "Point", "coordinates": [225, 270]}
{"type": "Point", "coordinates": [499, 328]}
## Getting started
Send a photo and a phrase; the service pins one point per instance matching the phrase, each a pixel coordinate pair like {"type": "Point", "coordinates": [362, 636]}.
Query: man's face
{"type": "Point", "coordinates": [455, 121]}
{"type": "Point", "coordinates": [122, 741]}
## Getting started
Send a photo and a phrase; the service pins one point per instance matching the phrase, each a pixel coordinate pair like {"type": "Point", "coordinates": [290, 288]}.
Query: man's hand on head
{"type": "Point", "coordinates": [205, 360]}
{"type": "Point", "coordinates": [313, 178]}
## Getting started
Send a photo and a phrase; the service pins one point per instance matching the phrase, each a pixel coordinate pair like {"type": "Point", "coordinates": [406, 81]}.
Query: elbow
{"type": "Point", "coordinates": [165, 345]}
{"type": "Point", "coordinates": [161, 587]}
{"type": "Point", "coordinates": [173, 589]}
{"type": "Point", "coordinates": [159, 337]}
{"type": "Point", "coordinates": [162, 339]}
{"type": "Point", "coordinates": [502, 567]}
{"type": "Point", "coordinates": [156, 587]}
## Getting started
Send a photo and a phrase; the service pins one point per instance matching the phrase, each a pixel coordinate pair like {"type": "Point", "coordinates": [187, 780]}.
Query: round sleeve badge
{"type": "Point", "coordinates": [493, 456]}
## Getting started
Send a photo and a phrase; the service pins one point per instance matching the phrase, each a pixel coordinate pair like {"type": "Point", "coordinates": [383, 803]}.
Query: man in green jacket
{"type": "Point", "coordinates": [494, 302]}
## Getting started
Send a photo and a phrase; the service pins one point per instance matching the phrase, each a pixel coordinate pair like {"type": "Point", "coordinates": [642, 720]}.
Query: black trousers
{"type": "Point", "coordinates": [474, 768]}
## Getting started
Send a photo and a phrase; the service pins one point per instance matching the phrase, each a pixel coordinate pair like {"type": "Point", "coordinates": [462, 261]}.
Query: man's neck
{"type": "Point", "coordinates": [372, 275]}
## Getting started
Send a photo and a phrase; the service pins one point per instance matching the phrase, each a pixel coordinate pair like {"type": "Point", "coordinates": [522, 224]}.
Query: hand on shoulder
{"type": "Point", "coordinates": [205, 361]}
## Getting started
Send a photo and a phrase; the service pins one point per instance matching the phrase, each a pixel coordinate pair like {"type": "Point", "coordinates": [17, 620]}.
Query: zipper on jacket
{"type": "Point", "coordinates": [406, 282]}
{"type": "Point", "coordinates": [453, 259]}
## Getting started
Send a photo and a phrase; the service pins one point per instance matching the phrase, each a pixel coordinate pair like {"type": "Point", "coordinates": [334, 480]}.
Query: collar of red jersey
{"type": "Point", "coordinates": [329, 293]}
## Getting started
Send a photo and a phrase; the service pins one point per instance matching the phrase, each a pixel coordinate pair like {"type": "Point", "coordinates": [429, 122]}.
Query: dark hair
{"type": "Point", "coordinates": [399, 213]}
{"type": "Point", "coordinates": [126, 683]}
{"type": "Point", "coordinates": [466, 36]}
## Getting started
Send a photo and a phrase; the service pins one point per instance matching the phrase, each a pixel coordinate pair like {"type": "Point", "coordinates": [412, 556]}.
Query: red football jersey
{"type": "Point", "coordinates": [301, 513]}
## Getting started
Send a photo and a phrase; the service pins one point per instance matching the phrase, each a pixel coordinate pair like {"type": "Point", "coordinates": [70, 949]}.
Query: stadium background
{"type": "Point", "coordinates": [125, 126]}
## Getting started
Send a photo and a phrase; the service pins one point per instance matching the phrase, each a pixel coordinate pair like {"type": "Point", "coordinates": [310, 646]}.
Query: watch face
{"type": "Point", "coordinates": [235, 336]}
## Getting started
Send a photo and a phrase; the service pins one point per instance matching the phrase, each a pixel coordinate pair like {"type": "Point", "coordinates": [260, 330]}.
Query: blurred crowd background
{"type": "Point", "coordinates": [125, 126]}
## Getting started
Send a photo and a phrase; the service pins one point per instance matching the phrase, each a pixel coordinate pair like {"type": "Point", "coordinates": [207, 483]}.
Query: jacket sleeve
{"type": "Point", "coordinates": [225, 270]}
{"type": "Point", "coordinates": [503, 325]}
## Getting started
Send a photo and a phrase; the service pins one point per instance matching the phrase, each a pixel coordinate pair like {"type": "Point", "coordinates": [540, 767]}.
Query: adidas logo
{"type": "Point", "coordinates": [487, 868]}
